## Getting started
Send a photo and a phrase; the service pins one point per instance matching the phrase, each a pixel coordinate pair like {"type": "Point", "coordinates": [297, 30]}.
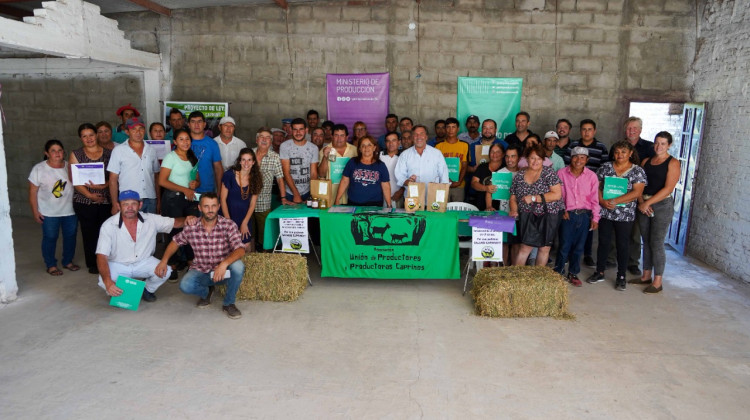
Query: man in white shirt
{"type": "Point", "coordinates": [126, 246]}
{"type": "Point", "coordinates": [421, 163]}
{"type": "Point", "coordinates": [229, 145]}
{"type": "Point", "coordinates": [134, 166]}
{"type": "Point", "coordinates": [390, 157]}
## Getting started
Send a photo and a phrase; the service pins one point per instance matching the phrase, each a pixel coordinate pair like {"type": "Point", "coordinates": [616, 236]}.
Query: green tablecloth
{"type": "Point", "coordinates": [271, 231]}
{"type": "Point", "coordinates": [423, 245]}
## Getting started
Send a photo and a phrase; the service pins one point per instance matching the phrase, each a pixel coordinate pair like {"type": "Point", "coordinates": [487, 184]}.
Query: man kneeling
{"type": "Point", "coordinates": [218, 250]}
{"type": "Point", "coordinates": [126, 246]}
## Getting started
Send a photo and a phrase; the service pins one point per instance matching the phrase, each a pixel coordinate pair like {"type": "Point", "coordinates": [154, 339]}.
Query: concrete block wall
{"type": "Point", "coordinates": [720, 230]}
{"type": "Point", "coordinates": [40, 108]}
{"type": "Point", "coordinates": [579, 58]}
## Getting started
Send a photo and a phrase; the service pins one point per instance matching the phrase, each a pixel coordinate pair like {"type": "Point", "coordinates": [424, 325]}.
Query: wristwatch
{"type": "Point", "coordinates": [533, 198]}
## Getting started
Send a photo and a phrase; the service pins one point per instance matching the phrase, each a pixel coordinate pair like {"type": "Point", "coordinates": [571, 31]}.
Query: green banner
{"type": "Point", "coordinates": [503, 181]}
{"type": "Point", "coordinates": [337, 169]}
{"type": "Point", "coordinates": [213, 111]}
{"type": "Point", "coordinates": [422, 245]}
{"type": "Point", "coordinates": [454, 168]}
{"type": "Point", "coordinates": [614, 187]}
{"type": "Point", "coordinates": [498, 98]}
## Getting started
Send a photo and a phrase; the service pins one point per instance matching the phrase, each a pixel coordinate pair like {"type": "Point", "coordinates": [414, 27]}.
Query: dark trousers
{"type": "Point", "coordinates": [572, 237]}
{"type": "Point", "coordinates": [174, 204]}
{"type": "Point", "coordinates": [587, 247]}
{"type": "Point", "coordinates": [91, 217]}
{"type": "Point", "coordinates": [621, 231]}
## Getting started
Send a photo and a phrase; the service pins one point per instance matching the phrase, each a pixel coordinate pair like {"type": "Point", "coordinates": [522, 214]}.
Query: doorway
{"type": "Point", "coordinates": [685, 122]}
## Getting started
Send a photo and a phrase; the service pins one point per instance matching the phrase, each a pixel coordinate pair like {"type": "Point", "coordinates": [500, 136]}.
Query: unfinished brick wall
{"type": "Point", "coordinates": [720, 230]}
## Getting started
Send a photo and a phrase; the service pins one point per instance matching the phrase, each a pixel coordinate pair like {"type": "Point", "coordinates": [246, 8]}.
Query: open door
{"type": "Point", "coordinates": [686, 148]}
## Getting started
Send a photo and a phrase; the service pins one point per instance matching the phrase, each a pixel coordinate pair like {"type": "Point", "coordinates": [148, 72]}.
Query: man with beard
{"type": "Point", "coordinates": [218, 249]}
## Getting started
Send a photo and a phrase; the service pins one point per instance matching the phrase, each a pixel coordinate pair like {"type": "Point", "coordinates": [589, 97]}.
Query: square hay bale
{"type": "Point", "coordinates": [276, 277]}
{"type": "Point", "coordinates": [519, 292]}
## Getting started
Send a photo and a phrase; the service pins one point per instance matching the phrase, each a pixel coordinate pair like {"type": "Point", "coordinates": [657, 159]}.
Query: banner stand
{"type": "Point", "coordinates": [315, 251]}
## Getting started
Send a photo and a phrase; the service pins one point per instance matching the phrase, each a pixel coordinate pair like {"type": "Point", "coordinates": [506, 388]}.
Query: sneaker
{"type": "Point", "coordinates": [588, 261]}
{"type": "Point", "coordinates": [205, 302]}
{"type": "Point", "coordinates": [595, 278]}
{"type": "Point", "coordinates": [148, 296]}
{"type": "Point", "coordinates": [232, 311]}
{"type": "Point", "coordinates": [574, 280]}
{"type": "Point", "coordinates": [174, 276]}
{"type": "Point", "coordinates": [634, 270]}
{"type": "Point", "coordinates": [620, 283]}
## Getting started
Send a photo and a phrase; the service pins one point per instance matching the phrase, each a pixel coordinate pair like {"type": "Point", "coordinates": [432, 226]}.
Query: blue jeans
{"type": "Point", "coordinates": [50, 230]}
{"type": "Point", "coordinates": [149, 205]}
{"type": "Point", "coordinates": [196, 283]}
{"type": "Point", "coordinates": [573, 234]}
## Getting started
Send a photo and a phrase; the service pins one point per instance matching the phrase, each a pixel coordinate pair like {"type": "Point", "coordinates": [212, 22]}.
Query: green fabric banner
{"type": "Point", "coordinates": [422, 245]}
{"type": "Point", "coordinates": [498, 98]}
{"type": "Point", "coordinates": [337, 169]}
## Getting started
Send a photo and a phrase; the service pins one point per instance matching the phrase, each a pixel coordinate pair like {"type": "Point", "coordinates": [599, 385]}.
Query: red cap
{"type": "Point", "coordinates": [128, 106]}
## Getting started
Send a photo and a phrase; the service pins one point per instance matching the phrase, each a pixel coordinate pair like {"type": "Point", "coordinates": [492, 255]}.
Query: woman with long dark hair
{"type": "Point", "coordinates": [91, 202]}
{"type": "Point", "coordinates": [51, 201]}
{"type": "Point", "coordinates": [179, 180]}
{"type": "Point", "coordinates": [241, 185]}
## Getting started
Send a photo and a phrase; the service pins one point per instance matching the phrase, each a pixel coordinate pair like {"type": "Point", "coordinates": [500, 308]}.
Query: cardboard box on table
{"type": "Point", "coordinates": [437, 197]}
{"type": "Point", "coordinates": [414, 197]}
{"type": "Point", "coordinates": [322, 189]}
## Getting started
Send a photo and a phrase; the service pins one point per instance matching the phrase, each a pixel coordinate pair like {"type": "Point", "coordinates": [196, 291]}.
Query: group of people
{"type": "Point", "coordinates": [211, 196]}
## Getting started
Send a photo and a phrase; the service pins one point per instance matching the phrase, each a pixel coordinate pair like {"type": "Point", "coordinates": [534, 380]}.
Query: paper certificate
{"type": "Point", "coordinates": [337, 169]}
{"type": "Point", "coordinates": [454, 168]}
{"type": "Point", "coordinates": [83, 173]}
{"type": "Point", "coordinates": [160, 146]}
{"type": "Point", "coordinates": [502, 180]}
{"type": "Point", "coordinates": [614, 187]}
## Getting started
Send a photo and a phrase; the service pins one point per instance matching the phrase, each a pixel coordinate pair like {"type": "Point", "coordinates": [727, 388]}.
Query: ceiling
{"type": "Point", "coordinates": [16, 9]}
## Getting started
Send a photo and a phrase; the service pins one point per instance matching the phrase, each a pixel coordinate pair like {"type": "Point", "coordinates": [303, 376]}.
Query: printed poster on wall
{"type": "Point", "coordinates": [486, 245]}
{"type": "Point", "coordinates": [294, 235]}
{"type": "Point", "coordinates": [213, 111]}
{"type": "Point", "coordinates": [358, 97]}
{"type": "Point", "coordinates": [498, 98]}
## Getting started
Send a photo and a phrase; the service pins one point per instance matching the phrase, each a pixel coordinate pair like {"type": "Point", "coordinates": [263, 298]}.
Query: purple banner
{"type": "Point", "coordinates": [494, 222]}
{"type": "Point", "coordinates": [358, 97]}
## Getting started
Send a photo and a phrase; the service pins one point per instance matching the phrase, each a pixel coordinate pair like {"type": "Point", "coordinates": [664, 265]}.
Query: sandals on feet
{"type": "Point", "coordinates": [71, 267]}
{"type": "Point", "coordinates": [54, 271]}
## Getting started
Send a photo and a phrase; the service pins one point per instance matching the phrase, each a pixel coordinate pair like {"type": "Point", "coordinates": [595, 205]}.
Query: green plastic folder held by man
{"type": "Point", "coordinates": [132, 290]}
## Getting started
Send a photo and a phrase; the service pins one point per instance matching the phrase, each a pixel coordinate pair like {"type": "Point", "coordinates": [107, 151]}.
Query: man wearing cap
{"type": "Point", "coordinates": [125, 113]}
{"type": "Point", "coordinates": [218, 249]}
{"type": "Point", "coordinates": [286, 125]}
{"type": "Point", "coordinates": [299, 162]}
{"type": "Point", "coordinates": [452, 147]}
{"type": "Point", "coordinates": [523, 119]}
{"type": "Point", "coordinates": [207, 151]}
{"type": "Point", "coordinates": [391, 124]}
{"type": "Point", "coordinates": [176, 122]}
{"type": "Point", "coordinates": [134, 166]}
{"type": "Point", "coordinates": [472, 134]}
{"type": "Point", "coordinates": [229, 145]}
{"type": "Point", "coordinates": [421, 163]}
{"type": "Point", "coordinates": [580, 192]}
{"type": "Point", "coordinates": [550, 143]}
{"type": "Point", "coordinates": [126, 246]}
{"type": "Point", "coordinates": [279, 136]}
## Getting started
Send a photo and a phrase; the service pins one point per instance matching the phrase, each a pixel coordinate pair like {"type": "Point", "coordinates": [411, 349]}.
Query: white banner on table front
{"type": "Point", "coordinates": [486, 245]}
{"type": "Point", "coordinates": [83, 173]}
{"type": "Point", "coordinates": [294, 235]}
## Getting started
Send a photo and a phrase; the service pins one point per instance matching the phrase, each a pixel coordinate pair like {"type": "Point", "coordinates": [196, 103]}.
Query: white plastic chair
{"type": "Point", "coordinates": [465, 244]}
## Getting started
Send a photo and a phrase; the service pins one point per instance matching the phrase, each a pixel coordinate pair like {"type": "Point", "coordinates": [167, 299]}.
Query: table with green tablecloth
{"type": "Point", "coordinates": [271, 230]}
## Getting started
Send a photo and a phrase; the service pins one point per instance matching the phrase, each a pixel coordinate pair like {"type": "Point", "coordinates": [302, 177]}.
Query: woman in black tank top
{"type": "Point", "coordinates": [655, 210]}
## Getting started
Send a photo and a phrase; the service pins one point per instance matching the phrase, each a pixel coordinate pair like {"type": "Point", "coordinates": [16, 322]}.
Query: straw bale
{"type": "Point", "coordinates": [277, 277]}
{"type": "Point", "coordinates": [519, 292]}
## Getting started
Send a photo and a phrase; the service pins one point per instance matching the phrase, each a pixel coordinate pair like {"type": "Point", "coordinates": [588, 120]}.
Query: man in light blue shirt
{"type": "Point", "coordinates": [421, 163]}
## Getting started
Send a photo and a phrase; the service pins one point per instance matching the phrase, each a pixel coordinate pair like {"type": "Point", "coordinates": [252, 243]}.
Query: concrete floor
{"type": "Point", "coordinates": [373, 349]}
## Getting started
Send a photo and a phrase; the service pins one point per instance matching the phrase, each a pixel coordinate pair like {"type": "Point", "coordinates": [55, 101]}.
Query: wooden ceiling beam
{"type": "Point", "coordinates": [15, 12]}
{"type": "Point", "coordinates": [282, 3]}
{"type": "Point", "coordinates": [153, 6]}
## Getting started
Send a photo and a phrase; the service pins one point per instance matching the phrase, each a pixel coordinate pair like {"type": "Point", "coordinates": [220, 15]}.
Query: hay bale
{"type": "Point", "coordinates": [519, 292]}
{"type": "Point", "coordinates": [276, 277]}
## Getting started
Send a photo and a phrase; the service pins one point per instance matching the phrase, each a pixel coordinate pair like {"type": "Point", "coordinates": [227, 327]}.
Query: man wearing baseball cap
{"type": "Point", "coordinates": [134, 166]}
{"type": "Point", "coordinates": [127, 242]}
{"type": "Point", "coordinates": [580, 192]}
{"type": "Point", "coordinates": [472, 134]}
{"type": "Point", "coordinates": [125, 113]}
{"type": "Point", "coordinates": [229, 145]}
{"type": "Point", "coordinates": [550, 143]}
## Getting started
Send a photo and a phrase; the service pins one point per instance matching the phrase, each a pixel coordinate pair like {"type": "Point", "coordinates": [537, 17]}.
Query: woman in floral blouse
{"type": "Point", "coordinates": [535, 200]}
{"type": "Point", "coordinates": [618, 214]}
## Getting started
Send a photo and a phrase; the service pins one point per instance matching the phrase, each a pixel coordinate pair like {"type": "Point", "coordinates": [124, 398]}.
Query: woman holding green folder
{"type": "Point", "coordinates": [621, 183]}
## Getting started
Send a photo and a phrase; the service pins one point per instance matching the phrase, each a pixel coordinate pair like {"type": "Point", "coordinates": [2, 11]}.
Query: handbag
{"type": "Point", "coordinates": [534, 229]}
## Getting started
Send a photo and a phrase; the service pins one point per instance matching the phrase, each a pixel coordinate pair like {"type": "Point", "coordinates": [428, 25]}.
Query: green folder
{"type": "Point", "coordinates": [503, 181]}
{"type": "Point", "coordinates": [614, 187]}
{"type": "Point", "coordinates": [337, 169]}
{"type": "Point", "coordinates": [454, 168]}
{"type": "Point", "coordinates": [132, 291]}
